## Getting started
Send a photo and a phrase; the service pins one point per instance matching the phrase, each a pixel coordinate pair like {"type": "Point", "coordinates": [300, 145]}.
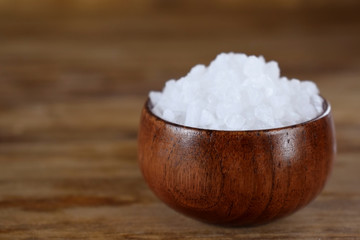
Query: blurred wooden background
{"type": "Point", "coordinates": [74, 76]}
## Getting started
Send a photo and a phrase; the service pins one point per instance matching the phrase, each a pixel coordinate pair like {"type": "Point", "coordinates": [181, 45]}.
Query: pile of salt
{"type": "Point", "coordinates": [237, 92]}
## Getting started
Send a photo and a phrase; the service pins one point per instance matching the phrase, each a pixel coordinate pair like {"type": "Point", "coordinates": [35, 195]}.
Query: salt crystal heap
{"type": "Point", "coordinates": [237, 92]}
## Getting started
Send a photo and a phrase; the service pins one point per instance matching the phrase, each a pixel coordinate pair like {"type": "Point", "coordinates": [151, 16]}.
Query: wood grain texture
{"type": "Point", "coordinates": [74, 77]}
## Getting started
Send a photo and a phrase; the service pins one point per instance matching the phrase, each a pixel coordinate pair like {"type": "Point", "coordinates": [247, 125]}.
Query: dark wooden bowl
{"type": "Point", "coordinates": [236, 178]}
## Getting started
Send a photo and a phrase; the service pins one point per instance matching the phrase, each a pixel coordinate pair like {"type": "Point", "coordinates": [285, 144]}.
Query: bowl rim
{"type": "Point", "coordinates": [325, 113]}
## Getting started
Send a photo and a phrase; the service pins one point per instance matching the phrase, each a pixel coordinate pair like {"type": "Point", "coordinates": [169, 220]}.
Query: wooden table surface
{"type": "Point", "coordinates": [73, 79]}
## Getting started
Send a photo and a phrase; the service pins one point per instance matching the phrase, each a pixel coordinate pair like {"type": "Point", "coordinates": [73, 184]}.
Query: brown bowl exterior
{"type": "Point", "coordinates": [236, 178]}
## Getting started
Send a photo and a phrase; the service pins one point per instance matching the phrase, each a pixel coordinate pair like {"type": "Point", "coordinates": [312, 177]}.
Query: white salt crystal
{"type": "Point", "coordinates": [310, 87]}
{"type": "Point", "coordinates": [235, 122]}
{"type": "Point", "coordinates": [192, 115]}
{"type": "Point", "coordinates": [206, 118]}
{"type": "Point", "coordinates": [317, 102]}
{"type": "Point", "coordinates": [254, 96]}
{"type": "Point", "coordinates": [264, 114]}
{"type": "Point", "coordinates": [253, 67]}
{"type": "Point", "coordinates": [168, 115]}
{"type": "Point", "coordinates": [272, 70]}
{"type": "Point", "coordinates": [155, 96]}
{"type": "Point", "coordinates": [157, 110]}
{"type": "Point", "coordinates": [170, 87]}
{"type": "Point", "coordinates": [237, 92]}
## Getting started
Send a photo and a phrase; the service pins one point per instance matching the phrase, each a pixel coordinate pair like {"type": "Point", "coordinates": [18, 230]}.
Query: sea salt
{"type": "Point", "coordinates": [237, 92]}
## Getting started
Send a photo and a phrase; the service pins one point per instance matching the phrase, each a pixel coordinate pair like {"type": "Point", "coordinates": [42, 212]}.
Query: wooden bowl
{"type": "Point", "coordinates": [236, 178]}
